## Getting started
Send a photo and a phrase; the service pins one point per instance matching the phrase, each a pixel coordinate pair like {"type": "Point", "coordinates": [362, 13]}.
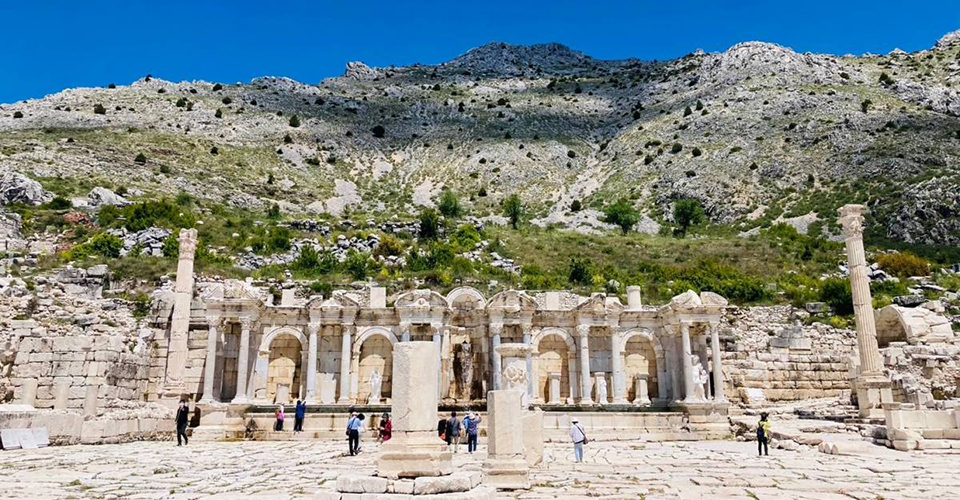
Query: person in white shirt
{"type": "Point", "coordinates": [579, 438]}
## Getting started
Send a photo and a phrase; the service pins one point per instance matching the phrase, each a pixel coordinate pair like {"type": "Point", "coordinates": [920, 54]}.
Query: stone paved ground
{"type": "Point", "coordinates": [296, 469]}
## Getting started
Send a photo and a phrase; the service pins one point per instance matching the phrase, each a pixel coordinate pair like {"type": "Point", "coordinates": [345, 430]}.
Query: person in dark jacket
{"type": "Point", "coordinates": [453, 432]}
{"type": "Point", "coordinates": [763, 435]}
{"type": "Point", "coordinates": [298, 417]}
{"type": "Point", "coordinates": [183, 418]}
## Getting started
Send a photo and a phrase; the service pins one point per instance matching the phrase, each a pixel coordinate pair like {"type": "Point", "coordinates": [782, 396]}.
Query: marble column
{"type": "Point", "coordinates": [174, 385]}
{"type": "Point", "coordinates": [851, 218]}
{"type": "Point", "coordinates": [617, 377]}
{"type": "Point", "coordinates": [704, 363]}
{"type": "Point", "coordinates": [718, 395]}
{"type": "Point", "coordinates": [243, 361]}
{"type": "Point", "coordinates": [554, 396]}
{"type": "Point", "coordinates": [572, 367]}
{"type": "Point", "coordinates": [531, 394]}
{"type": "Point", "coordinates": [583, 334]}
{"type": "Point", "coordinates": [496, 329]}
{"type": "Point", "coordinates": [688, 392]}
{"type": "Point", "coordinates": [313, 342]}
{"type": "Point", "coordinates": [209, 368]}
{"type": "Point", "coordinates": [437, 329]}
{"type": "Point", "coordinates": [354, 376]}
{"type": "Point", "coordinates": [346, 353]}
{"type": "Point", "coordinates": [663, 381]}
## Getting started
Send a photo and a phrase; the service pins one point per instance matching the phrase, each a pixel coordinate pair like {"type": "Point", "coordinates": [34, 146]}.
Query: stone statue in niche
{"type": "Point", "coordinates": [601, 389]}
{"type": "Point", "coordinates": [700, 379]}
{"type": "Point", "coordinates": [376, 381]}
{"type": "Point", "coordinates": [464, 371]}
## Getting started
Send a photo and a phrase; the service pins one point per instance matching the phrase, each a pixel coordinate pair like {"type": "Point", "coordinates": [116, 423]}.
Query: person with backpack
{"type": "Point", "coordinates": [472, 425]}
{"type": "Point", "coordinates": [579, 438]}
{"type": "Point", "coordinates": [763, 435]}
{"type": "Point", "coordinates": [353, 433]}
{"type": "Point", "coordinates": [453, 432]}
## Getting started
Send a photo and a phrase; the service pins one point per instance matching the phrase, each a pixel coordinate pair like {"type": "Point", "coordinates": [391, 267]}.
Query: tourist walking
{"type": "Point", "coordinates": [579, 438]}
{"type": "Point", "coordinates": [471, 424]}
{"type": "Point", "coordinates": [298, 417]}
{"type": "Point", "coordinates": [386, 428]}
{"type": "Point", "coordinates": [763, 435]}
{"type": "Point", "coordinates": [453, 432]}
{"type": "Point", "coordinates": [353, 433]}
{"type": "Point", "coordinates": [280, 416]}
{"type": "Point", "coordinates": [183, 418]}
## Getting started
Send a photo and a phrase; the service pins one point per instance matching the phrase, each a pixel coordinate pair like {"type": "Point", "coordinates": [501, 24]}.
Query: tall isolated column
{"type": "Point", "coordinates": [583, 333]}
{"type": "Point", "coordinates": [209, 369]}
{"type": "Point", "coordinates": [313, 330]}
{"type": "Point", "coordinates": [687, 353]}
{"type": "Point", "coordinates": [851, 218]}
{"type": "Point", "coordinates": [346, 353]}
{"type": "Point", "coordinates": [243, 361]}
{"type": "Point", "coordinates": [718, 395]}
{"type": "Point", "coordinates": [174, 385]}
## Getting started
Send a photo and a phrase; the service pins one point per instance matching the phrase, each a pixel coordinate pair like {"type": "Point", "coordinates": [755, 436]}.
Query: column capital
{"type": "Point", "coordinates": [851, 218]}
{"type": "Point", "coordinates": [583, 330]}
{"type": "Point", "coordinates": [314, 328]}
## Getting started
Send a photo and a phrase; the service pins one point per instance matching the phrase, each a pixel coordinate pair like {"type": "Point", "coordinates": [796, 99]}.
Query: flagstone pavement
{"type": "Point", "coordinates": [618, 470]}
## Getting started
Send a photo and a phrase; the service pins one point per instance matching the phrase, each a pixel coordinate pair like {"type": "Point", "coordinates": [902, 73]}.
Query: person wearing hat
{"type": "Point", "coordinates": [353, 433]}
{"type": "Point", "coordinates": [579, 438]}
{"type": "Point", "coordinates": [763, 435]}
{"type": "Point", "coordinates": [472, 425]}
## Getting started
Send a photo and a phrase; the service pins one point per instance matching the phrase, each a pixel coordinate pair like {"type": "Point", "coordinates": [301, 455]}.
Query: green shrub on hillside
{"type": "Point", "coordinates": [622, 214]}
{"type": "Point", "coordinates": [449, 204]}
{"type": "Point", "coordinates": [429, 224]}
{"type": "Point", "coordinates": [904, 264]}
{"type": "Point", "coordinates": [513, 210]}
{"type": "Point", "coordinates": [837, 294]}
{"type": "Point", "coordinates": [579, 271]}
{"type": "Point", "coordinates": [687, 213]}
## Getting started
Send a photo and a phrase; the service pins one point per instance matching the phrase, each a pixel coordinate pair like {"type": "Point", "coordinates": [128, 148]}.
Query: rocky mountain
{"type": "Point", "coordinates": [757, 134]}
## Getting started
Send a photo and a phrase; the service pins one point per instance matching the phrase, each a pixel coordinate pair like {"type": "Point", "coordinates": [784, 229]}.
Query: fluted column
{"type": "Point", "coordinates": [496, 329]}
{"type": "Point", "coordinates": [346, 351]}
{"type": "Point", "coordinates": [243, 361]}
{"type": "Point", "coordinates": [583, 334]}
{"type": "Point", "coordinates": [616, 366]}
{"type": "Point", "coordinates": [688, 392]}
{"type": "Point", "coordinates": [174, 385]}
{"type": "Point", "coordinates": [313, 330]}
{"type": "Point", "coordinates": [851, 218]}
{"type": "Point", "coordinates": [209, 369]}
{"type": "Point", "coordinates": [718, 395]}
{"type": "Point", "coordinates": [525, 327]}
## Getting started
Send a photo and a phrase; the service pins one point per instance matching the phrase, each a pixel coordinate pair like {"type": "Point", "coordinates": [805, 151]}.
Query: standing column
{"type": "Point", "coordinates": [496, 329]}
{"type": "Point", "coordinates": [705, 363]}
{"type": "Point", "coordinates": [312, 364]}
{"type": "Point", "coordinates": [346, 350]}
{"type": "Point", "coordinates": [583, 333]}
{"type": "Point", "coordinates": [174, 385]}
{"type": "Point", "coordinates": [243, 361]}
{"type": "Point", "coordinates": [851, 218]}
{"type": "Point", "coordinates": [209, 369]}
{"type": "Point", "coordinates": [663, 381]}
{"type": "Point", "coordinates": [525, 327]}
{"type": "Point", "coordinates": [616, 366]}
{"type": "Point", "coordinates": [404, 331]}
{"type": "Point", "coordinates": [718, 395]}
{"type": "Point", "coordinates": [688, 392]}
{"type": "Point", "coordinates": [438, 341]}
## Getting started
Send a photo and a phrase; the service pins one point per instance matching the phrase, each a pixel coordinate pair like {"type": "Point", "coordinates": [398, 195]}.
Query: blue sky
{"type": "Point", "coordinates": [46, 46]}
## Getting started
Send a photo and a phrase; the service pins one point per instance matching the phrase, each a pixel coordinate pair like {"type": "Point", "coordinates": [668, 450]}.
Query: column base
{"type": "Point", "coordinates": [414, 454]}
{"type": "Point", "coordinates": [506, 473]}
{"type": "Point", "coordinates": [872, 391]}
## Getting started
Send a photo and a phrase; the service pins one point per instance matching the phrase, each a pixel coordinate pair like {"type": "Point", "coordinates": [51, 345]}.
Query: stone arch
{"type": "Point", "coordinates": [469, 293]}
{"type": "Point", "coordinates": [373, 352]}
{"type": "Point", "coordinates": [284, 350]}
{"type": "Point", "coordinates": [283, 330]}
{"type": "Point", "coordinates": [371, 332]}
{"type": "Point", "coordinates": [643, 358]}
{"type": "Point", "coordinates": [556, 357]}
{"type": "Point", "coordinates": [641, 332]}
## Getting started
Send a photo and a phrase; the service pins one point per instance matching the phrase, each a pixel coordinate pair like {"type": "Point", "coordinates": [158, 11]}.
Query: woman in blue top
{"type": "Point", "coordinates": [353, 433]}
{"type": "Point", "coordinates": [472, 425]}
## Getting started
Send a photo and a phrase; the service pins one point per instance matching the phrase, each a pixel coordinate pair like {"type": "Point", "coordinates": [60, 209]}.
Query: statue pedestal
{"type": "Point", "coordinates": [414, 454]}
{"type": "Point", "coordinates": [872, 391]}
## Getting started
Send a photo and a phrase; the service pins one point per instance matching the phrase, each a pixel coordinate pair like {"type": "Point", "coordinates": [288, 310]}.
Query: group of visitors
{"type": "Point", "coordinates": [451, 431]}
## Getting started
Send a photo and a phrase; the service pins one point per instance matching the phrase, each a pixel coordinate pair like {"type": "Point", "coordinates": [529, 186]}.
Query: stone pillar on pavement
{"type": "Point", "coordinates": [496, 329]}
{"type": "Point", "coordinates": [414, 449]}
{"type": "Point", "coordinates": [313, 330]}
{"type": "Point", "coordinates": [505, 466]}
{"type": "Point", "coordinates": [689, 393]}
{"type": "Point", "coordinates": [243, 362]}
{"type": "Point", "coordinates": [718, 395]}
{"type": "Point", "coordinates": [346, 359]}
{"type": "Point", "coordinates": [583, 335]}
{"type": "Point", "coordinates": [174, 385]}
{"type": "Point", "coordinates": [873, 387]}
{"type": "Point", "coordinates": [618, 377]}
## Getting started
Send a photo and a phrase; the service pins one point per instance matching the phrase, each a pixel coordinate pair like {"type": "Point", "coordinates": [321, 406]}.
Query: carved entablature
{"type": "Point", "coordinates": [338, 309]}
{"type": "Point", "coordinates": [512, 306]}
{"type": "Point", "coordinates": [421, 307]}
